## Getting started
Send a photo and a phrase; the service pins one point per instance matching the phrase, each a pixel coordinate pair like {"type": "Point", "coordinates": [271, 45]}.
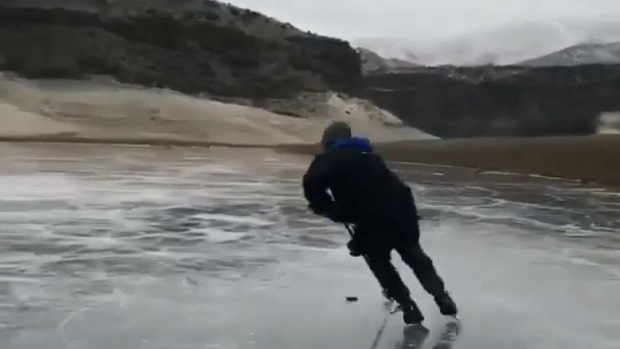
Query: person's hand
{"type": "Point", "coordinates": [354, 248]}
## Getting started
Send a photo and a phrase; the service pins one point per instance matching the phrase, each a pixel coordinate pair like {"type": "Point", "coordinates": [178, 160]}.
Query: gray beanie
{"type": "Point", "coordinates": [335, 131]}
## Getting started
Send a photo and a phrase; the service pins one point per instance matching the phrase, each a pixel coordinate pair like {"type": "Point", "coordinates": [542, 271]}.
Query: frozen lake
{"type": "Point", "coordinates": [125, 247]}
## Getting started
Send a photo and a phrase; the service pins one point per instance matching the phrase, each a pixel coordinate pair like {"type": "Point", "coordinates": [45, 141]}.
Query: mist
{"type": "Point", "coordinates": [425, 19]}
{"type": "Point", "coordinates": [453, 31]}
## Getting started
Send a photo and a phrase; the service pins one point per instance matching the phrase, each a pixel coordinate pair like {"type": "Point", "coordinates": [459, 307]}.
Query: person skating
{"type": "Point", "coordinates": [349, 183]}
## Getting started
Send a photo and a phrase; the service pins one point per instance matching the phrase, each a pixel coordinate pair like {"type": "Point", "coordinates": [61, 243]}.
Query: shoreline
{"type": "Point", "coordinates": [589, 159]}
{"type": "Point", "coordinates": [128, 141]}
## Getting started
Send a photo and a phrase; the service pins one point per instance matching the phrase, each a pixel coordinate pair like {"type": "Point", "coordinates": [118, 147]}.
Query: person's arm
{"type": "Point", "coordinates": [315, 185]}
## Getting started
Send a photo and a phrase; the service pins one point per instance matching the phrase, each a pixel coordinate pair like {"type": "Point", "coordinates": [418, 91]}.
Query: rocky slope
{"type": "Point", "coordinates": [186, 45]}
{"type": "Point", "coordinates": [499, 101]}
{"type": "Point", "coordinates": [562, 93]}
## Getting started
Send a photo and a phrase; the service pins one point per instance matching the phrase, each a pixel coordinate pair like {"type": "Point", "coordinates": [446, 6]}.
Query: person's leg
{"type": "Point", "coordinates": [394, 287]}
{"type": "Point", "coordinates": [414, 256]}
{"type": "Point", "coordinates": [381, 266]}
{"type": "Point", "coordinates": [422, 266]}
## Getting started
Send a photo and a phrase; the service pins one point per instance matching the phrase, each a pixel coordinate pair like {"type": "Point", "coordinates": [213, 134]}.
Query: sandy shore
{"type": "Point", "coordinates": [594, 159]}
{"type": "Point", "coordinates": [109, 112]}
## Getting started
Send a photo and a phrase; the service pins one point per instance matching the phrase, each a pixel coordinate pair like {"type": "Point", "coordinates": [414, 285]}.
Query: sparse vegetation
{"type": "Point", "coordinates": [211, 15]}
{"type": "Point", "coordinates": [249, 15]}
{"type": "Point", "coordinates": [162, 49]}
{"type": "Point", "coordinates": [189, 15]}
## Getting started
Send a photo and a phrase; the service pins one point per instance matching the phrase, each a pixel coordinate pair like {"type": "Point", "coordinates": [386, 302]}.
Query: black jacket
{"type": "Point", "coordinates": [364, 191]}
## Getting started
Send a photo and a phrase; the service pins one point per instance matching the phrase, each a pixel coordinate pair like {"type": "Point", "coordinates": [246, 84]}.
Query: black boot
{"type": "Point", "coordinates": [446, 304]}
{"type": "Point", "coordinates": [411, 313]}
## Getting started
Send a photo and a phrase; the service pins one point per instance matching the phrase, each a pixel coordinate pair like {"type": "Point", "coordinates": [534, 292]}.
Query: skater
{"type": "Point", "coordinates": [367, 194]}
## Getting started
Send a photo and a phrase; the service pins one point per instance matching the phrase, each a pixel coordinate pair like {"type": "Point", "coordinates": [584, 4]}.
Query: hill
{"type": "Point", "coordinates": [187, 45]}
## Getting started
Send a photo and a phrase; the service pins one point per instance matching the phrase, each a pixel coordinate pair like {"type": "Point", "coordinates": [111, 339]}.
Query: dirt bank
{"type": "Point", "coordinates": [593, 159]}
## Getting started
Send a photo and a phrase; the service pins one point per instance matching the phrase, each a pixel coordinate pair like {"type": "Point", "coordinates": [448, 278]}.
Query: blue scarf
{"type": "Point", "coordinates": [359, 143]}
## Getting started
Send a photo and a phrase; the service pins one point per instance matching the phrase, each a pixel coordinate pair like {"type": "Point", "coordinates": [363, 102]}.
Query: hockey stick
{"type": "Point", "coordinates": [383, 290]}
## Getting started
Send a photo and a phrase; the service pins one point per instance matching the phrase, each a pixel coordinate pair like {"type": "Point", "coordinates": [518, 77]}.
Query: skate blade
{"type": "Point", "coordinates": [396, 309]}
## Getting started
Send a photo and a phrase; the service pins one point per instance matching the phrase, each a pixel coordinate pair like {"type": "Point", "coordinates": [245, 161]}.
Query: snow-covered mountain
{"type": "Point", "coordinates": [509, 44]}
{"type": "Point", "coordinates": [591, 53]}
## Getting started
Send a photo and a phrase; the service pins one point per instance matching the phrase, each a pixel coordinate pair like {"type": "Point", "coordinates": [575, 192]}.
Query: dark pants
{"type": "Point", "coordinates": [378, 250]}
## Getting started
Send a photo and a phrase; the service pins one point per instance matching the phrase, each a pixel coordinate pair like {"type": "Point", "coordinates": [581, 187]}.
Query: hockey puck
{"type": "Point", "coordinates": [352, 299]}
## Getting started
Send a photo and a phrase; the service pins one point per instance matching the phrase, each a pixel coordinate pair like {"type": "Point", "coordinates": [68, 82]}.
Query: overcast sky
{"type": "Point", "coordinates": [416, 19]}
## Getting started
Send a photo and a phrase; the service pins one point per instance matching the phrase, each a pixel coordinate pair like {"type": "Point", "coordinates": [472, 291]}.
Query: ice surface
{"type": "Point", "coordinates": [110, 247]}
